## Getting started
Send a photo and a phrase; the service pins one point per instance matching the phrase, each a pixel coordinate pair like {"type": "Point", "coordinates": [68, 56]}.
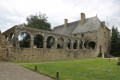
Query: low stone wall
{"type": "Point", "coordinates": [36, 54]}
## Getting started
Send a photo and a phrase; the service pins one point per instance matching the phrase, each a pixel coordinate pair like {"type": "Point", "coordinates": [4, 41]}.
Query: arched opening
{"type": "Point", "coordinates": [24, 40]}
{"type": "Point", "coordinates": [75, 44]}
{"type": "Point", "coordinates": [81, 44]}
{"type": "Point", "coordinates": [85, 44]}
{"type": "Point", "coordinates": [60, 42]}
{"type": "Point", "coordinates": [68, 42]}
{"type": "Point", "coordinates": [58, 46]}
{"type": "Point", "coordinates": [11, 35]}
{"type": "Point", "coordinates": [38, 41]}
{"type": "Point", "coordinates": [92, 45]}
{"type": "Point", "coordinates": [50, 42]}
{"type": "Point", "coordinates": [6, 37]}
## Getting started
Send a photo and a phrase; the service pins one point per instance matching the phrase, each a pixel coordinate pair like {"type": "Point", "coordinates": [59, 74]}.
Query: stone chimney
{"type": "Point", "coordinates": [82, 18]}
{"type": "Point", "coordinates": [103, 23]}
{"type": "Point", "coordinates": [65, 22]}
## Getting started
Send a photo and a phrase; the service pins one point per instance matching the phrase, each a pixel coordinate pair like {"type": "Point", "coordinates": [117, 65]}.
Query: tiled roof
{"type": "Point", "coordinates": [91, 24]}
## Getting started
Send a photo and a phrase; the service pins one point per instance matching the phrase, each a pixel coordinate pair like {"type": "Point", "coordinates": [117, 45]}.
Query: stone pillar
{"type": "Point", "coordinates": [71, 45]}
{"type": "Point", "coordinates": [83, 45]}
{"type": "Point", "coordinates": [78, 47]}
{"type": "Point", "coordinates": [32, 42]}
{"type": "Point", "coordinates": [44, 44]}
{"type": "Point", "coordinates": [55, 45]}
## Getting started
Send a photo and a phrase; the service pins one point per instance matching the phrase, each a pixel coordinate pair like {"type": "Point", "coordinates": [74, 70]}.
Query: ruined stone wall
{"type": "Point", "coordinates": [2, 47]}
{"type": "Point", "coordinates": [36, 54]}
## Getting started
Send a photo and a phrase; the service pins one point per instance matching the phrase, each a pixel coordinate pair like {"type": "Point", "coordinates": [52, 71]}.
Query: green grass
{"type": "Point", "coordinates": [50, 60]}
{"type": "Point", "coordinates": [96, 69]}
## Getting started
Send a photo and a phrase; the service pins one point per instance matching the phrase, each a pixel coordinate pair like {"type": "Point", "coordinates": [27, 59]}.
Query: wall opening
{"type": "Point", "coordinates": [60, 42]}
{"type": "Point", "coordinates": [92, 45]}
{"type": "Point", "coordinates": [11, 36]}
{"type": "Point", "coordinates": [6, 37]}
{"type": "Point", "coordinates": [85, 44]}
{"type": "Point", "coordinates": [50, 42]}
{"type": "Point", "coordinates": [24, 40]}
{"type": "Point", "coordinates": [75, 44]}
{"type": "Point", "coordinates": [38, 41]}
{"type": "Point", "coordinates": [82, 35]}
{"type": "Point", "coordinates": [68, 41]}
{"type": "Point", "coordinates": [81, 44]}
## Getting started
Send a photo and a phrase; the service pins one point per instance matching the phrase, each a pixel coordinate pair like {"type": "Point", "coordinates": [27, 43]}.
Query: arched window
{"type": "Point", "coordinates": [50, 42]}
{"type": "Point", "coordinates": [24, 40]}
{"type": "Point", "coordinates": [38, 41]}
{"type": "Point", "coordinates": [92, 45]}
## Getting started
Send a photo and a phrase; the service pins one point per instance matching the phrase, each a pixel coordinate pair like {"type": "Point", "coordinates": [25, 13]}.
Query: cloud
{"type": "Point", "coordinates": [14, 12]}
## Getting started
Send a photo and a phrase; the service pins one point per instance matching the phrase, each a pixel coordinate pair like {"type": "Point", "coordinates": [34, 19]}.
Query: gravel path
{"type": "Point", "coordinates": [11, 71]}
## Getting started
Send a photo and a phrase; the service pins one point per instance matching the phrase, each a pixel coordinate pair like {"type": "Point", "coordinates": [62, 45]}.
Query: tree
{"type": "Point", "coordinates": [38, 21]}
{"type": "Point", "coordinates": [115, 42]}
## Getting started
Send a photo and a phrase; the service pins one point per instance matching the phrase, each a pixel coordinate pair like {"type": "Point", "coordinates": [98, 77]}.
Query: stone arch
{"type": "Point", "coordinates": [24, 39]}
{"type": "Point", "coordinates": [75, 44]}
{"type": "Point", "coordinates": [60, 43]}
{"type": "Point", "coordinates": [6, 37]}
{"type": "Point", "coordinates": [68, 43]}
{"type": "Point", "coordinates": [81, 45]}
{"type": "Point", "coordinates": [86, 44]}
{"type": "Point", "coordinates": [38, 40]}
{"type": "Point", "coordinates": [50, 41]}
{"type": "Point", "coordinates": [11, 36]}
{"type": "Point", "coordinates": [92, 44]}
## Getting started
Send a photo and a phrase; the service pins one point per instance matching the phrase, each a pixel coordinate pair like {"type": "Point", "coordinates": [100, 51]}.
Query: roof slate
{"type": "Point", "coordinates": [91, 24]}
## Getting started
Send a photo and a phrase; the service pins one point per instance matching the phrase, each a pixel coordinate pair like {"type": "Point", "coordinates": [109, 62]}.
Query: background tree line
{"type": "Point", "coordinates": [115, 42]}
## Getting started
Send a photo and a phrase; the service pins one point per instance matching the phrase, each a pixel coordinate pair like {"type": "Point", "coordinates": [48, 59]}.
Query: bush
{"type": "Point", "coordinates": [119, 59]}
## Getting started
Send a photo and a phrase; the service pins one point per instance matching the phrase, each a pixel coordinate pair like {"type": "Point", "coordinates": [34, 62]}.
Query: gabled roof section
{"type": "Point", "coordinates": [91, 24]}
{"type": "Point", "coordinates": [66, 30]}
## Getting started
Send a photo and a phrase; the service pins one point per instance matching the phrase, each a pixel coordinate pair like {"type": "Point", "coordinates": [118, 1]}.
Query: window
{"type": "Point", "coordinates": [82, 35]}
{"type": "Point", "coordinates": [104, 34]}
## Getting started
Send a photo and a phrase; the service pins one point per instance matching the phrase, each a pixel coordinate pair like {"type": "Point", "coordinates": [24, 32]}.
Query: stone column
{"type": "Point", "coordinates": [83, 45]}
{"type": "Point", "coordinates": [45, 43]}
{"type": "Point", "coordinates": [32, 42]}
{"type": "Point", "coordinates": [78, 47]}
{"type": "Point", "coordinates": [64, 45]}
{"type": "Point", "coordinates": [55, 45]}
{"type": "Point", "coordinates": [71, 45]}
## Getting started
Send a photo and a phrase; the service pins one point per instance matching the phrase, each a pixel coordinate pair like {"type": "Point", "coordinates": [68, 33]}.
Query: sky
{"type": "Point", "coordinates": [14, 12]}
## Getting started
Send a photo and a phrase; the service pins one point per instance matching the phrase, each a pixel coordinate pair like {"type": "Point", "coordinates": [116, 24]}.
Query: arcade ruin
{"type": "Point", "coordinates": [84, 38]}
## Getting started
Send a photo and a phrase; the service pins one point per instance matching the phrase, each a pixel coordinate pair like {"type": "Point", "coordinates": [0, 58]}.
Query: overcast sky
{"type": "Point", "coordinates": [14, 12]}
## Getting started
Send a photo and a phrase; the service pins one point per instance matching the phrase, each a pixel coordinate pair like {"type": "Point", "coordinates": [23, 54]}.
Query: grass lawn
{"type": "Point", "coordinates": [96, 69]}
{"type": "Point", "coordinates": [50, 60]}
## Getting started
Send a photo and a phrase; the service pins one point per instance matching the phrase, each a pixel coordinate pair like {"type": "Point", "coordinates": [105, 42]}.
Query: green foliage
{"type": "Point", "coordinates": [25, 42]}
{"type": "Point", "coordinates": [119, 59]}
{"type": "Point", "coordinates": [38, 21]}
{"type": "Point", "coordinates": [115, 42]}
{"type": "Point", "coordinates": [96, 69]}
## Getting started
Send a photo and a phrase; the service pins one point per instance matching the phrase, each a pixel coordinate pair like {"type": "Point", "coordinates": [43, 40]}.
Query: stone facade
{"type": "Point", "coordinates": [79, 39]}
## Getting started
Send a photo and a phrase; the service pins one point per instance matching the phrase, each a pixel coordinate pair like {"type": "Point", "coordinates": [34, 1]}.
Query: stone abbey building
{"type": "Point", "coordinates": [79, 39]}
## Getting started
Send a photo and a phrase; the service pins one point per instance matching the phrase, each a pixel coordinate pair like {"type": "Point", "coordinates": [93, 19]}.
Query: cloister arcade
{"type": "Point", "coordinates": [46, 39]}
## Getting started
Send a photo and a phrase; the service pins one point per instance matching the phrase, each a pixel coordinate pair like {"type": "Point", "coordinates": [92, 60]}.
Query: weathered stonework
{"type": "Point", "coordinates": [66, 46]}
